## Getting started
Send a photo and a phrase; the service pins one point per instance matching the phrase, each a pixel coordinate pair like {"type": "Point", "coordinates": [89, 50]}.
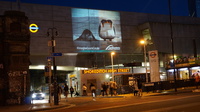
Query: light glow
{"type": "Point", "coordinates": [33, 28]}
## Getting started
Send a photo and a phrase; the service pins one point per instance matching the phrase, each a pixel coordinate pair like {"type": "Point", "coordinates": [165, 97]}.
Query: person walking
{"type": "Point", "coordinates": [196, 76]}
{"type": "Point", "coordinates": [139, 85]}
{"type": "Point", "coordinates": [104, 87]}
{"type": "Point", "coordinates": [111, 88]}
{"type": "Point", "coordinates": [71, 90]}
{"type": "Point", "coordinates": [84, 88]}
{"type": "Point", "coordinates": [93, 91]}
{"type": "Point", "coordinates": [115, 88]}
{"type": "Point", "coordinates": [66, 91]}
{"type": "Point", "coordinates": [107, 88]}
{"type": "Point", "coordinates": [59, 92]}
{"type": "Point", "coordinates": [135, 88]}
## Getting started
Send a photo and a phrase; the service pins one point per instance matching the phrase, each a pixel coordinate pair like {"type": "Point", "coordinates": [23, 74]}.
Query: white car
{"type": "Point", "coordinates": [37, 95]}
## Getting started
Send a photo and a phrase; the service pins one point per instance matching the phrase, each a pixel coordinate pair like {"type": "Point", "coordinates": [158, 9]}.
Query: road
{"type": "Point", "coordinates": [185, 102]}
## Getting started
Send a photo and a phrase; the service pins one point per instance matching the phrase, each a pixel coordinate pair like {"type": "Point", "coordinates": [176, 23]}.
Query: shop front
{"type": "Point", "coordinates": [100, 76]}
{"type": "Point", "coordinates": [184, 68]}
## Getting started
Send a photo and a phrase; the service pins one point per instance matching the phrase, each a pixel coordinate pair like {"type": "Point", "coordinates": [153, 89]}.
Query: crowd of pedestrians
{"type": "Point", "coordinates": [107, 88]}
{"type": "Point", "coordinates": [137, 86]}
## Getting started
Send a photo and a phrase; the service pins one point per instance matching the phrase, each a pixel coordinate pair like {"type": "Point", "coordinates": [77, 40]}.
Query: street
{"type": "Point", "coordinates": [186, 102]}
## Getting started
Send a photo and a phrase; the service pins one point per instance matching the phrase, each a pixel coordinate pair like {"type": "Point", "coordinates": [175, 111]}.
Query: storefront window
{"type": "Point", "coordinates": [171, 74]}
{"type": "Point", "coordinates": [184, 73]}
{"type": "Point", "coordinates": [163, 77]}
{"type": "Point", "coordinates": [195, 69]}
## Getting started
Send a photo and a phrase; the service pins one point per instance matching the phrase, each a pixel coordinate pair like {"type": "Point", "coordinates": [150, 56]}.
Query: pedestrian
{"type": "Point", "coordinates": [135, 88]}
{"type": "Point", "coordinates": [59, 92]}
{"type": "Point", "coordinates": [102, 92]}
{"type": "Point", "coordinates": [93, 91]}
{"type": "Point", "coordinates": [115, 88]}
{"type": "Point", "coordinates": [111, 88]}
{"type": "Point", "coordinates": [139, 85]}
{"type": "Point", "coordinates": [104, 88]}
{"type": "Point", "coordinates": [66, 91]}
{"type": "Point", "coordinates": [107, 88]}
{"type": "Point", "coordinates": [84, 88]}
{"type": "Point", "coordinates": [71, 90]}
{"type": "Point", "coordinates": [197, 78]}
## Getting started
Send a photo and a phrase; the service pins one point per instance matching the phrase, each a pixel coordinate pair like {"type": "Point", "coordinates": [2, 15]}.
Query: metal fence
{"type": "Point", "coordinates": [155, 86]}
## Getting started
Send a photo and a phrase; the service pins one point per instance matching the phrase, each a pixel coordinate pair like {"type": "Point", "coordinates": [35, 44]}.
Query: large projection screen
{"type": "Point", "coordinates": [96, 30]}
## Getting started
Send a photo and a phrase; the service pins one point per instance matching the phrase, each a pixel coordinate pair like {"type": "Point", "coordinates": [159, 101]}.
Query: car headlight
{"type": "Point", "coordinates": [33, 95]}
{"type": "Point", "coordinates": [43, 95]}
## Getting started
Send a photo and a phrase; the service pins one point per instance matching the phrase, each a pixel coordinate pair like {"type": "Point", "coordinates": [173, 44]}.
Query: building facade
{"type": "Point", "coordinates": [85, 38]}
{"type": "Point", "coordinates": [194, 8]}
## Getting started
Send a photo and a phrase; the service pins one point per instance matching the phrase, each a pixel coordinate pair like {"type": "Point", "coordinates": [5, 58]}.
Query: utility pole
{"type": "Point", "coordinates": [52, 42]}
{"type": "Point", "coordinates": [172, 44]}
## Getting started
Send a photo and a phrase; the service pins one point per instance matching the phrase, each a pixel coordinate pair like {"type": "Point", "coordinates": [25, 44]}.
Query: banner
{"type": "Point", "coordinates": [154, 66]}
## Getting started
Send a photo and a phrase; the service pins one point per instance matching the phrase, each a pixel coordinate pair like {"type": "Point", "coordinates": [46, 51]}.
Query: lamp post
{"type": "Point", "coordinates": [172, 43]}
{"type": "Point", "coordinates": [52, 44]}
{"type": "Point", "coordinates": [112, 53]}
{"type": "Point", "coordinates": [143, 42]}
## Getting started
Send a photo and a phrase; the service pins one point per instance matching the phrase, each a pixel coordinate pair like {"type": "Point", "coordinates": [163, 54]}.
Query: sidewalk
{"type": "Point", "coordinates": [63, 103]}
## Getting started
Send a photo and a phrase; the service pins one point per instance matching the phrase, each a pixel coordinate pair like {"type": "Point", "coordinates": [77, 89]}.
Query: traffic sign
{"type": "Point", "coordinates": [56, 54]}
{"type": "Point", "coordinates": [153, 54]}
{"type": "Point", "coordinates": [33, 28]}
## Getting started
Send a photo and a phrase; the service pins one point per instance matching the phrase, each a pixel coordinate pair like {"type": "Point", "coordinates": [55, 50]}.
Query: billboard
{"type": "Point", "coordinates": [96, 30]}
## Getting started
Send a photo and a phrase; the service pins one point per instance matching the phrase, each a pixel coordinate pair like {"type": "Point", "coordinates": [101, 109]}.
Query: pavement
{"type": "Point", "coordinates": [63, 103]}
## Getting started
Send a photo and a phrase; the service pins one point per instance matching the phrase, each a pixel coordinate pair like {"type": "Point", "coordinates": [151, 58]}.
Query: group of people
{"type": "Point", "coordinates": [107, 88]}
{"type": "Point", "coordinates": [92, 89]}
{"type": "Point", "coordinates": [66, 91]}
{"type": "Point", "coordinates": [137, 87]}
{"type": "Point", "coordinates": [61, 91]}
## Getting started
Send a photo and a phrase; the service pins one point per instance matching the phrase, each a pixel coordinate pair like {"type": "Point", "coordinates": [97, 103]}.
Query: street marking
{"type": "Point", "coordinates": [137, 104]}
{"type": "Point", "coordinates": [173, 107]}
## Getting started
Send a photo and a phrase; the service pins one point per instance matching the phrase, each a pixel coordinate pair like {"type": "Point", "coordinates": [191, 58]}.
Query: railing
{"type": "Point", "coordinates": [162, 85]}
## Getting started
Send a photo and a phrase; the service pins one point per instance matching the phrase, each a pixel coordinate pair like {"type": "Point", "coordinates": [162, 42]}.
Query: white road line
{"type": "Point", "coordinates": [173, 107]}
{"type": "Point", "coordinates": [137, 103]}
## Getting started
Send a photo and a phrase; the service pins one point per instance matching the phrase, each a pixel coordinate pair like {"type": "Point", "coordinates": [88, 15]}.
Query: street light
{"type": "Point", "coordinates": [52, 44]}
{"type": "Point", "coordinates": [112, 53]}
{"type": "Point", "coordinates": [143, 42]}
{"type": "Point", "coordinates": [172, 43]}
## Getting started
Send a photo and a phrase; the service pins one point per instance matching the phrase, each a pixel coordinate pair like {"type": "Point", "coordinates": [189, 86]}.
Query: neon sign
{"type": "Point", "coordinates": [33, 28]}
{"type": "Point", "coordinates": [100, 71]}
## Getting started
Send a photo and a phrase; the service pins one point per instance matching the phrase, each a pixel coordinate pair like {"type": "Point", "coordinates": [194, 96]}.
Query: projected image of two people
{"type": "Point", "coordinates": [95, 30]}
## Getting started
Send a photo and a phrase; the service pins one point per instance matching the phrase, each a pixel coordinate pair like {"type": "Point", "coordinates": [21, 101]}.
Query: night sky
{"type": "Point", "coordinates": [179, 7]}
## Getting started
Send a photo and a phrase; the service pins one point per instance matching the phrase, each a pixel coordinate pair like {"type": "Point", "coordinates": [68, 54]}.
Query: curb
{"type": "Point", "coordinates": [172, 92]}
{"type": "Point", "coordinates": [51, 108]}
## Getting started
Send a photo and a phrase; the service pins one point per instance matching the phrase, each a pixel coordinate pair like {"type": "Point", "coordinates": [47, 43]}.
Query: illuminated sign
{"type": "Point", "coordinates": [73, 75]}
{"type": "Point", "coordinates": [96, 30]}
{"type": "Point", "coordinates": [100, 71]}
{"type": "Point", "coordinates": [33, 28]}
{"type": "Point", "coordinates": [153, 54]}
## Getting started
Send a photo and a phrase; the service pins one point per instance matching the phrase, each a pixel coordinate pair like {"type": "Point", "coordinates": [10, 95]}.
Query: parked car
{"type": "Point", "coordinates": [38, 95]}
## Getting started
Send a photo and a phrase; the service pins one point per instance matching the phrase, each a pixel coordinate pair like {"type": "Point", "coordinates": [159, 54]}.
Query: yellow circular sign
{"type": "Point", "coordinates": [33, 28]}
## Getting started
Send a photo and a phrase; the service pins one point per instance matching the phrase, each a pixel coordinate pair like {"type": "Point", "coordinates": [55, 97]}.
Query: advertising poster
{"type": "Point", "coordinates": [96, 30]}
